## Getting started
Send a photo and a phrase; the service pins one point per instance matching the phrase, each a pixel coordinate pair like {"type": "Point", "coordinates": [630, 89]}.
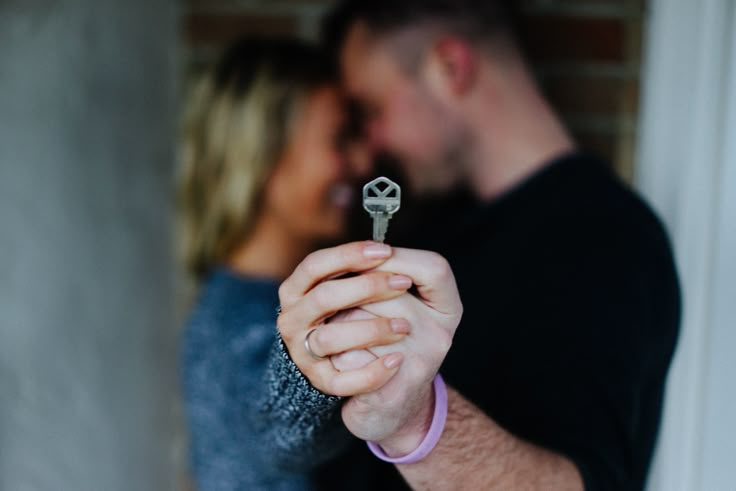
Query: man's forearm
{"type": "Point", "coordinates": [475, 453]}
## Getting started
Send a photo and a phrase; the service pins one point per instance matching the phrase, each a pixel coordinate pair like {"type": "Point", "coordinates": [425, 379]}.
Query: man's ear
{"type": "Point", "coordinates": [455, 61]}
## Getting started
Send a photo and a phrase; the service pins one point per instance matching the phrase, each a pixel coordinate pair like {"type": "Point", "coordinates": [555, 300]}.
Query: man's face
{"type": "Point", "coordinates": [403, 115]}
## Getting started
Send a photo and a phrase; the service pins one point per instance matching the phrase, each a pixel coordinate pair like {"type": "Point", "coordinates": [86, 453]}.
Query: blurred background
{"type": "Point", "coordinates": [90, 301]}
{"type": "Point", "coordinates": [586, 53]}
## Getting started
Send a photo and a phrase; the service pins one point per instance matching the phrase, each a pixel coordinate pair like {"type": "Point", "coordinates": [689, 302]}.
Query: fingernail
{"type": "Point", "coordinates": [399, 282]}
{"type": "Point", "coordinates": [393, 360]}
{"type": "Point", "coordinates": [374, 250]}
{"type": "Point", "coordinates": [400, 326]}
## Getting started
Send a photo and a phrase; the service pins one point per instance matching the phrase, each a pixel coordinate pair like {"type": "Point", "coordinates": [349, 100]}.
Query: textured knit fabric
{"type": "Point", "coordinates": [255, 422]}
{"type": "Point", "coordinates": [571, 310]}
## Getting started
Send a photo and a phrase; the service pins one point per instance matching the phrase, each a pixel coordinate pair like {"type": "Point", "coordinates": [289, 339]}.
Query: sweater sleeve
{"type": "Point", "coordinates": [302, 423]}
{"type": "Point", "coordinates": [255, 421]}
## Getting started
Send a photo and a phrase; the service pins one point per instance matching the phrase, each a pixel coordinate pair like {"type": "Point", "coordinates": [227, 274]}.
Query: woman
{"type": "Point", "coordinates": [263, 182]}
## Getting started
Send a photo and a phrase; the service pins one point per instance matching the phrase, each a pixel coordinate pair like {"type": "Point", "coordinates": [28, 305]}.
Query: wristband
{"type": "Point", "coordinates": [433, 435]}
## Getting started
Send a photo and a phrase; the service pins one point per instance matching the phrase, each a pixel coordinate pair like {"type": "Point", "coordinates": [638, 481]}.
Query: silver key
{"type": "Point", "coordinates": [381, 198]}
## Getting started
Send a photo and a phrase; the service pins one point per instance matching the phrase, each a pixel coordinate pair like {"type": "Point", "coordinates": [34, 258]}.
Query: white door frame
{"type": "Point", "coordinates": [686, 166]}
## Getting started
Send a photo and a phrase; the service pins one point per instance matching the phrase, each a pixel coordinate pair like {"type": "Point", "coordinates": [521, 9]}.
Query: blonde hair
{"type": "Point", "coordinates": [236, 126]}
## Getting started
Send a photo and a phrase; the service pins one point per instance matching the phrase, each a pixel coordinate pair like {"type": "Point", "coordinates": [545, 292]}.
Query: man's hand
{"type": "Point", "coordinates": [398, 415]}
{"type": "Point", "coordinates": [392, 409]}
{"type": "Point", "coordinates": [390, 405]}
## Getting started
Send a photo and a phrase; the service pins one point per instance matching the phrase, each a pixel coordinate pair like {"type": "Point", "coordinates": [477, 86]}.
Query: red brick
{"type": "Point", "coordinates": [605, 145]}
{"type": "Point", "coordinates": [251, 5]}
{"type": "Point", "coordinates": [221, 28]}
{"type": "Point", "coordinates": [592, 95]}
{"type": "Point", "coordinates": [630, 97]}
{"type": "Point", "coordinates": [628, 3]}
{"type": "Point", "coordinates": [618, 148]}
{"type": "Point", "coordinates": [561, 38]}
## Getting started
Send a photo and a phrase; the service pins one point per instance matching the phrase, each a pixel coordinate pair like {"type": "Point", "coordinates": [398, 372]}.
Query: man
{"type": "Point", "coordinates": [570, 297]}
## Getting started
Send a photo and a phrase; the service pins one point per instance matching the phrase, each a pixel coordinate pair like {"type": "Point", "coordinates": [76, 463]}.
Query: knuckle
{"type": "Point", "coordinates": [370, 379]}
{"type": "Point", "coordinates": [284, 292]}
{"type": "Point", "coordinates": [360, 287]}
{"type": "Point", "coordinates": [443, 341]}
{"type": "Point", "coordinates": [347, 254]}
{"type": "Point", "coordinates": [335, 387]}
{"type": "Point", "coordinates": [315, 376]}
{"type": "Point", "coordinates": [385, 324]}
{"type": "Point", "coordinates": [437, 267]}
{"type": "Point", "coordinates": [310, 265]}
{"type": "Point", "coordinates": [373, 284]}
{"type": "Point", "coordinates": [321, 297]}
{"type": "Point", "coordinates": [288, 295]}
{"type": "Point", "coordinates": [319, 384]}
{"type": "Point", "coordinates": [378, 328]}
{"type": "Point", "coordinates": [352, 254]}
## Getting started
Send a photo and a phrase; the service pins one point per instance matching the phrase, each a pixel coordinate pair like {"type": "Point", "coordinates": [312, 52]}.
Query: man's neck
{"type": "Point", "coordinates": [517, 134]}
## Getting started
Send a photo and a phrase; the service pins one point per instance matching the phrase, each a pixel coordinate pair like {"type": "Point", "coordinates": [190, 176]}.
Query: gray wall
{"type": "Point", "coordinates": [87, 353]}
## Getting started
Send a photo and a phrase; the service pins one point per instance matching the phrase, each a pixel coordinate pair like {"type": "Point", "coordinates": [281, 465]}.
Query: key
{"type": "Point", "coordinates": [381, 198]}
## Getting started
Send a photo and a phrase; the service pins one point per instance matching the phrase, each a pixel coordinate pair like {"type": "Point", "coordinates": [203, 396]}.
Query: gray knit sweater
{"type": "Point", "coordinates": [254, 420]}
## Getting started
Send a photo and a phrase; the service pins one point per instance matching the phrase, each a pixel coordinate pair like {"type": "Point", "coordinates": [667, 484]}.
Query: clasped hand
{"type": "Point", "coordinates": [375, 342]}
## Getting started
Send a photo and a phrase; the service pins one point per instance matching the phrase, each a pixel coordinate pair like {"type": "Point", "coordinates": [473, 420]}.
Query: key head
{"type": "Point", "coordinates": [382, 195]}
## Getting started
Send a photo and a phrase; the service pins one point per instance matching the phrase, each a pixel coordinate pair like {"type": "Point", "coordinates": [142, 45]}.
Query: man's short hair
{"type": "Point", "coordinates": [487, 22]}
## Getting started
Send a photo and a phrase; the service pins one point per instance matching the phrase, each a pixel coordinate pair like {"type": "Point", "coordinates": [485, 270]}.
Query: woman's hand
{"type": "Point", "coordinates": [392, 409]}
{"type": "Point", "coordinates": [315, 292]}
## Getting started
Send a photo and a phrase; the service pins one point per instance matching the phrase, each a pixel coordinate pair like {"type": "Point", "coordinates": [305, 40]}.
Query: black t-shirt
{"type": "Point", "coordinates": [571, 314]}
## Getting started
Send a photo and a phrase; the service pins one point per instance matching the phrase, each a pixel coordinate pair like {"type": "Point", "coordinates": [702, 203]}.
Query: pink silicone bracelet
{"type": "Point", "coordinates": [433, 435]}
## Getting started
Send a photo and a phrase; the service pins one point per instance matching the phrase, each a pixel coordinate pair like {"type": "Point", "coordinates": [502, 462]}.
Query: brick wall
{"type": "Point", "coordinates": [586, 54]}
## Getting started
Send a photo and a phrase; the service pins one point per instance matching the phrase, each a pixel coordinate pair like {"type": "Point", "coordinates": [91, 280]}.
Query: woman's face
{"type": "Point", "coordinates": [309, 192]}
